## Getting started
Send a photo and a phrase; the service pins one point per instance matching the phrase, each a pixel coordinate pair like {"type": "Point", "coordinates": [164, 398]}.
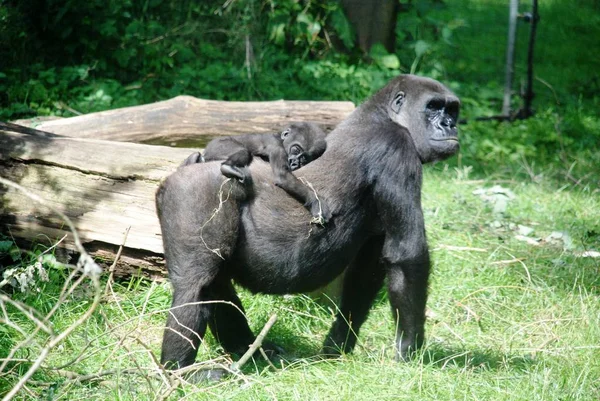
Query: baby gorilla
{"type": "Point", "coordinates": [287, 151]}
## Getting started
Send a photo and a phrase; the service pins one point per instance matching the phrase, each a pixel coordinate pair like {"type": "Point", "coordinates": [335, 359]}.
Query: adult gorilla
{"type": "Point", "coordinates": [259, 236]}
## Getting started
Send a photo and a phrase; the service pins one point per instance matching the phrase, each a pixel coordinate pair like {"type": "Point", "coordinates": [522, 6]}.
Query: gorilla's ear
{"type": "Point", "coordinates": [397, 102]}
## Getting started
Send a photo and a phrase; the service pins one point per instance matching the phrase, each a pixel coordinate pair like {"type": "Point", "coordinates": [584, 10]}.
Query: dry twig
{"type": "Point", "coordinates": [216, 251]}
{"type": "Point", "coordinates": [237, 366]}
{"type": "Point", "coordinates": [319, 219]}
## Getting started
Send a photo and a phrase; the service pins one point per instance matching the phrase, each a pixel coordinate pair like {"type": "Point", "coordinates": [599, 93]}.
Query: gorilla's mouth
{"type": "Point", "coordinates": [448, 138]}
{"type": "Point", "coordinates": [296, 163]}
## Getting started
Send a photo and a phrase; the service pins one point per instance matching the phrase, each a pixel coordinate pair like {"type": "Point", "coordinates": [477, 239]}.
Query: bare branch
{"type": "Point", "coordinates": [237, 366]}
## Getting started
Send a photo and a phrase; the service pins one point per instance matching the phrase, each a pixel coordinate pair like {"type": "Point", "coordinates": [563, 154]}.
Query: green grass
{"type": "Point", "coordinates": [507, 320]}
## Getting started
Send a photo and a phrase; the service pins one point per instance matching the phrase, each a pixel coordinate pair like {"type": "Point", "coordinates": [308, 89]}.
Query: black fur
{"type": "Point", "coordinates": [294, 147]}
{"type": "Point", "coordinates": [266, 246]}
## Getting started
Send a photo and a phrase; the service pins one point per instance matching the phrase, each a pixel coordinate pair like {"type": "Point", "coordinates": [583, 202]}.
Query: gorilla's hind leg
{"type": "Point", "coordinates": [228, 321]}
{"type": "Point", "coordinates": [197, 243]}
{"type": "Point", "coordinates": [186, 324]}
{"type": "Point", "coordinates": [195, 305]}
{"type": "Point", "coordinates": [232, 167]}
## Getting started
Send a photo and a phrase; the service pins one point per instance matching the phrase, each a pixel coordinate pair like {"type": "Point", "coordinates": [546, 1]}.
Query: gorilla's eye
{"type": "Point", "coordinates": [452, 110]}
{"type": "Point", "coordinates": [295, 150]}
{"type": "Point", "coordinates": [285, 133]}
{"type": "Point", "coordinates": [435, 105]}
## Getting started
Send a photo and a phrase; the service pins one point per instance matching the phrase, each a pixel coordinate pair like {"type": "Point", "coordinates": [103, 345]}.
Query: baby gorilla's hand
{"type": "Point", "coordinates": [232, 172]}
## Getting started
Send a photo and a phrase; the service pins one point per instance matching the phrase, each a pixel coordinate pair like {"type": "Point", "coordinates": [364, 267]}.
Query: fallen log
{"type": "Point", "coordinates": [106, 187]}
{"type": "Point", "coordinates": [177, 121]}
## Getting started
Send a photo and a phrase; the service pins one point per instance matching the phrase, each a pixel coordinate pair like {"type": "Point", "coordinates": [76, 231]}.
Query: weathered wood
{"type": "Point", "coordinates": [184, 118]}
{"type": "Point", "coordinates": [104, 187]}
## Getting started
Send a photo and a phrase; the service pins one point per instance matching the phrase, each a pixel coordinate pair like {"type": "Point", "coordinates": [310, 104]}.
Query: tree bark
{"type": "Point", "coordinates": [374, 21]}
{"type": "Point", "coordinates": [178, 121]}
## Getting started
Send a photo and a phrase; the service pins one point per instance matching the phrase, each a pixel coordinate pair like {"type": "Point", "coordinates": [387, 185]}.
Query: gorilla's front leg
{"type": "Point", "coordinates": [364, 278]}
{"type": "Point", "coordinates": [407, 288]}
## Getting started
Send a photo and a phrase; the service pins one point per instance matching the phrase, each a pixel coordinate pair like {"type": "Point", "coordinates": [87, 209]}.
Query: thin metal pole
{"type": "Point", "coordinates": [528, 97]}
{"type": "Point", "coordinates": [510, 55]}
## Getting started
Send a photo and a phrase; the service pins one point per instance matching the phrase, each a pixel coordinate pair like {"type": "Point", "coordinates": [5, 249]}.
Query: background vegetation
{"type": "Point", "coordinates": [514, 313]}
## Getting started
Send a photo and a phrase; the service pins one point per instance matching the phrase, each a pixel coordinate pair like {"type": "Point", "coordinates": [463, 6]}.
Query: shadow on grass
{"type": "Point", "coordinates": [294, 349]}
{"type": "Point", "coordinates": [475, 360]}
{"type": "Point", "coordinates": [294, 345]}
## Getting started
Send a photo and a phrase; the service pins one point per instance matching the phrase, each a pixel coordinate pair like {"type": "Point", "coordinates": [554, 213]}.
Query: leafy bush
{"type": "Point", "coordinates": [84, 56]}
{"type": "Point", "coordinates": [27, 271]}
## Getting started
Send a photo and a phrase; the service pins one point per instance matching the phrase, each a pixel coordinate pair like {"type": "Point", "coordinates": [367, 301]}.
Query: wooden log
{"type": "Point", "coordinates": [103, 186]}
{"type": "Point", "coordinates": [184, 118]}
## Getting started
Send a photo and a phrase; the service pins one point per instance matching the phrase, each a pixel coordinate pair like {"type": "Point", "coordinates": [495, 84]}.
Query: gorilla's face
{"type": "Point", "coordinates": [430, 112]}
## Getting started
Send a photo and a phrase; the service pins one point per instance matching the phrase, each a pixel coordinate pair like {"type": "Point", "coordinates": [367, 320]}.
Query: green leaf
{"type": "Point", "coordinates": [277, 34]}
{"type": "Point", "coordinates": [421, 47]}
{"type": "Point", "coordinates": [383, 58]}
{"type": "Point", "coordinates": [446, 33]}
{"type": "Point", "coordinates": [390, 61]}
{"type": "Point", "coordinates": [134, 27]}
{"type": "Point", "coordinates": [5, 245]}
{"type": "Point", "coordinates": [304, 19]}
{"type": "Point", "coordinates": [314, 29]}
{"type": "Point", "coordinates": [15, 253]}
{"type": "Point", "coordinates": [343, 28]}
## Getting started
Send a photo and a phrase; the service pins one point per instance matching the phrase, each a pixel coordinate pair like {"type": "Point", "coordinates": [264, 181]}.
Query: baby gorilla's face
{"type": "Point", "coordinates": [303, 143]}
{"type": "Point", "coordinates": [296, 157]}
{"type": "Point", "coordinates": [294, 144]}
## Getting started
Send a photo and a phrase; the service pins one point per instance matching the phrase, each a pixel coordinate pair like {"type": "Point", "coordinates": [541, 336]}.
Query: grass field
{"type": "Point", "coordinates": [514, 307]}
{"type": "Point", "coordinates": [507, 319]}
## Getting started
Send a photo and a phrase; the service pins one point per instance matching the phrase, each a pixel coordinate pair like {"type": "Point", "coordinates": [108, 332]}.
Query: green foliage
{"type": "Point", "coordinates": [342, 27]}
{"type": "Point", "coordinates": [95, 55]}
{"type": "Point", "coordinates": [28, 272]}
